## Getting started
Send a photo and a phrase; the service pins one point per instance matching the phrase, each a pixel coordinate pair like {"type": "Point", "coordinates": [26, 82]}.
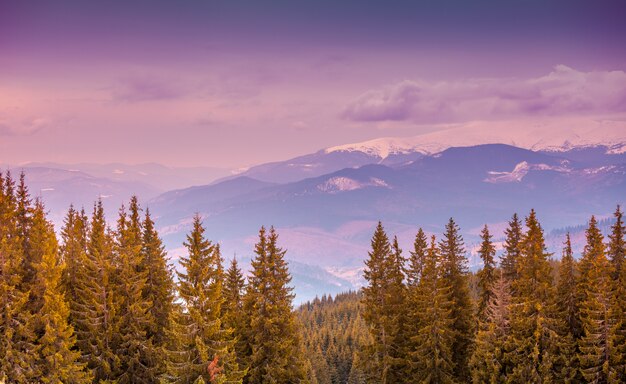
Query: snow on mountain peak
{"type": "Point", "coordinates": [343, 184]}
{"type": "Point", "coordinates": [521, 170]}
{"type": "Point", "coordinates": [547, 135]}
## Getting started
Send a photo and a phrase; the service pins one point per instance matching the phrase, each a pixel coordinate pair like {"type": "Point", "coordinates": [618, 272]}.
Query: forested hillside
{"type": "Point", "coordinates": [103, 304]}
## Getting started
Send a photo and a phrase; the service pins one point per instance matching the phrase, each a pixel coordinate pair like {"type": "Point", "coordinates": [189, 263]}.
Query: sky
{"type": "Point", "coordinates": [235, 83]}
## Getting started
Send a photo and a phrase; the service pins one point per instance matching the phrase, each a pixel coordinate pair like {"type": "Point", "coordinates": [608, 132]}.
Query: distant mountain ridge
{"type": "Point", "coordinates": [326, 220]}
{"type": "Point", "coordinates": [605, 137]}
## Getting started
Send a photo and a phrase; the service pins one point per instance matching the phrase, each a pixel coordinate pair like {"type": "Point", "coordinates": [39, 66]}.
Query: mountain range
{"type": "Point", "coordinates": [326, 204]}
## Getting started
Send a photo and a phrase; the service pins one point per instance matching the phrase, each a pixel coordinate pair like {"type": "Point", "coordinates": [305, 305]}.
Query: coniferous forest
{"type": "Point", "coordinates": [103, 304]}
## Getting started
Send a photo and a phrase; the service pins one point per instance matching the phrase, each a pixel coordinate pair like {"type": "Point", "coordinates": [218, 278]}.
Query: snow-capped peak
{"type": "Point", "coordinates": [548, 135]}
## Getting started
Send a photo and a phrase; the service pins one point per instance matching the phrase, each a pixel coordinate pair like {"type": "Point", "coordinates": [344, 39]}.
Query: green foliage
{"type": "Point", "coordinates": [202, 338]}
{"type": "Point", "coordinates": [512, 249]}
{"type": "Point", "coordinates": [599, 360]}
{"type": "Point", "coordinates": [433, 357]}
{"type": "Point", "coordinates": [486, 276]}
{"type": "Point", "coordinates": [455, 275]}
{"type": "Point", "coordinates": [57, 361]}
{"type": "Point", "coordinates": [277, 354]}
{"type": "Point", "coordinates": [384, 305]}
{"type": "Point", "coordinates": [488, 362]}
{"type": "Point", "coordinates": [103, 307]}
{"type": "Point", "coordinates": [530, 333]}
{"type": "Point", "coordinates": [334, 332]}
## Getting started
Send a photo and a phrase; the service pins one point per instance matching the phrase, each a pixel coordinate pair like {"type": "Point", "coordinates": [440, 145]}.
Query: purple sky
{"type": "Point", "coordinates": [233, 83]}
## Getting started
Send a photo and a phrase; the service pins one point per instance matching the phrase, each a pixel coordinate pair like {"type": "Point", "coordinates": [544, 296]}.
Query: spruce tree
{"type": "Point", "coordinates": [487, 275]}
{"type": "Point", "coordinates": [383, 299]}
{"type": "Point", "coordinates": [433, 357]}
{"type": "Point", "coordinates": [530, 333]}
{"type": "Point", "coordinates": [616, 253]}
{"type": "Point", "coordinates": [73, 253]}
{"type": "Point", "coordinates": [414, 272]}
{"type": "Point", "coordinates": [57, 361]}
{"type": "Point", "coordinates": [600, 362]}
{"type": "Point", "coordinates": [455, 274]}
{"type": "Point", "coordinates": [158, 293]}
{"type": "Point", "coordinates": [276, 349]}
{"type": "Point", "coordinates": [136, 352]}
{"type": "Point", "coordinates": [94, 313]}
{"type": "Point", "coordinates": [416, 259]}
{"type": "Point", "coordinates": [232, 309]}
{"type": "Point", "coordinates": [488, 363]}
{"type": "Point", "coordinates": [512, 249]}
{"type": "Point", "coordinates": [203, 339]}
{"type": "Point", "coordinates": [17, 337]}
{"type": "Point", "coordinates": [616, 250]}
{"type": "Point", "coordinates": [566, 320]}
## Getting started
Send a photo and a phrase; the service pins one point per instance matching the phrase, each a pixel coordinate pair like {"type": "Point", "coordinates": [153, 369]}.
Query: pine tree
{"type": "Point", "coordinates": [599, 360]}
{"type": "Point", "coordinates": [232, 309]}
{"type": "Point", "coordinates": [73, 253]}
{"type": "Point", "coordinates": [158, 293]}
{"type": "Point", "coordinates": [487, 275]}
{"type": "Point", "coordinates": [23, 215]}
{"type": "Point", "coordinates": [277, 354]}
{"type": "Point", "coordinates": [414, 272]}
{"type": "Point", "coordinates": [17, 337]}
{"type": "Point", "coordinates": [94, 311]}
{"type": "Point", "coordinates": [57, 361]}
{"type": "Point", "coordinates": [416, 260]}
{"type": "Point", "coordinates": [616, 250]}
{"type": "Point", "coordinates": [566, 320]}
{"type": "Point", "coordinates": [616, 253]}
{"type": "Point", "coordinates": [488, 362]}
{"type": "Point", "coordinates": [202, 336]}
{"type": "Point", "coordinates": [530, 334]}
{"type": "Point", "coordinates": [512, 249]}
{"type": "Point", "coordinates": [433, 357]}
{"type": "Point", "coordinates": [137, 354]}
{"type": "Point", "coordinates": [455, 274]}
{"type": "Point", "coordinates": [384, 298]}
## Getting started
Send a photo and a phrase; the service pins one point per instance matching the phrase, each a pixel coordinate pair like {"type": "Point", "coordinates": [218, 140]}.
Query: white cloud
{"type": "Point", "coordinates": [563, 92]}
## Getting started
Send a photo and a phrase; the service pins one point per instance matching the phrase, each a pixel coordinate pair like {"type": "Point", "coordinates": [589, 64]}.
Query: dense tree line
{"type": "Point", "coordinates": [334, 333]}
{"type": "Point", "coordinates": [102, 305]}
{"type": "Point", "coordinates": [525, 323]}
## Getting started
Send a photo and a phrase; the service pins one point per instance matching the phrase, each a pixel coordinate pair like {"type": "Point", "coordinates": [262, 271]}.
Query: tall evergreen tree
{"type": "Point", "coordinates": [17, 337]}
{"type": "Point", "coordinates": [433, 357]}
{"type": "Point", "coordinates": [487, 275]}
{"type": "Point", "coordinates": [73, 253]}
{"type": "Point", "coordinates": [416, 259]}
{"type": "Point", "coordinates": [158, 293]}
{"type": "Point", "coordinates": [530, 334]}
{"type": "Point", "coordinates": [512, 249]}
{"type": "Point", "coordinates": [616, 250]}
{"type": "Point", "coordinates": [616, 253]}
{"type": "Point", "coordinates": [94, 312]}
{"type": "Point", "coordinates": [488, 362]}
{"type": "Point", "coordinates": [566, 320]}
{"type": "Point", "coordinates": [277, 354]}
{"type": "Point", "coordinates": [57, 361]}
{"type": "Point", "coordinates": [383, 299]}
{"type": "Point", "coordinates": [203, 338]}
{"type": "Point", "coordinates": [455, 274]}
{"type": "Point", "coordinates": [136, 352]}
{"type": "Point", "coordinates": [599, 360]}
{"type": "Point", "coordinates": [232, 309]}
{"type": "Point", "coordinates": [23, 215]}
{"type": "Point", "coordinates": [414, 271]}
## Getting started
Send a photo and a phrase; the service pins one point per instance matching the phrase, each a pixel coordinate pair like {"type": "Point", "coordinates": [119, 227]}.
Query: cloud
{"type": "Point", "coordinates": [563, 92]}
{"type": "Point", "coordinates": [146, 88]}
{"type": "Point", "coordinates": [23, 127]}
